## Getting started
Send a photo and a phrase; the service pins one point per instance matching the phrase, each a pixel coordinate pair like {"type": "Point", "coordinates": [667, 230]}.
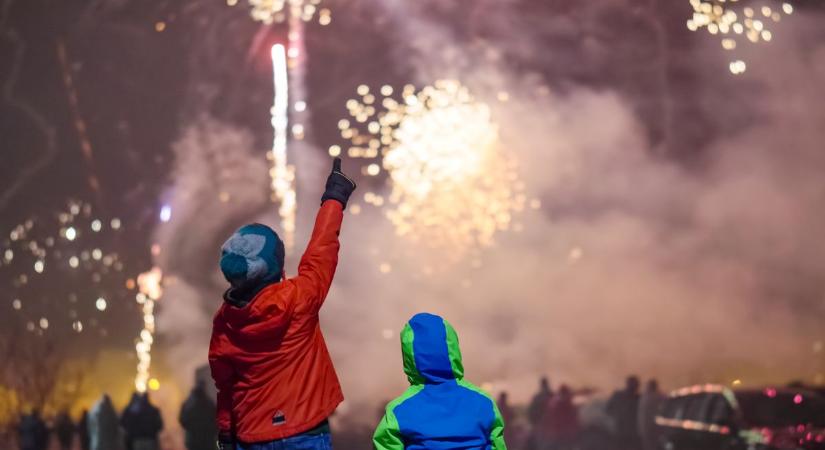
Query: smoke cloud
{"type": "Point", "coordinates": [636, 263]}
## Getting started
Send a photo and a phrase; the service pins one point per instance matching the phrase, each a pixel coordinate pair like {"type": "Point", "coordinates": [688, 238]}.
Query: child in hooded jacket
{"type": "Point", "coordinates": [276, 382]}
{"type": "Point", "coordinates": [440, 410]}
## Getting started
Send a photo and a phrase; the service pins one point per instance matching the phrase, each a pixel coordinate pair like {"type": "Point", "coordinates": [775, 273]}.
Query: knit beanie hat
{"type": "Point", "coordinates": [254, 255]}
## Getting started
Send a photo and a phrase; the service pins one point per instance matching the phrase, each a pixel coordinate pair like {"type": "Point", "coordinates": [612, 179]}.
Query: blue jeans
{"type": "Point", "coordinates": [301, 442]}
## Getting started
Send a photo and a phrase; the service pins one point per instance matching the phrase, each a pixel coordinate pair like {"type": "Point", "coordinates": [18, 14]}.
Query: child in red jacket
{"type": "Point", "coordinates": [275, 379]}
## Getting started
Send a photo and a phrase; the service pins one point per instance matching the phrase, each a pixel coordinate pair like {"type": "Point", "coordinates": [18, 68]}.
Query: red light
{"type": "Point", "coordinates": [797, 398]}
{"type": "Point", "coordinates": [770, 392]}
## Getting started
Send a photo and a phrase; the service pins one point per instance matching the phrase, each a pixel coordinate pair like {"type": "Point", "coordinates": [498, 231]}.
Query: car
{"type": "Point", "coordinates": [715, 417]}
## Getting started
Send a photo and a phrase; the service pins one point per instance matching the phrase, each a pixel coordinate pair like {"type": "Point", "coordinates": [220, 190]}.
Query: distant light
{"type": "Point", "coordinates": [325, 17]}
{"type": "Point", "coordinates": [97, 254]}
{"type": "Point", "coordinates": [154, 384]}
{"type": "Point", "coordinates": [373, 170]}
{"type": "Point", "coordinates": [100, 304]}
{"type": "Point", "coordinates": [74, 262]}
{"type": "Point", "coordinates": [96, 225]}
{"type": "Point", "coordinates": [298, 131]}
{"type": "Point", "coordinates": [44, 323]}
{"type": "Point", "coordinates": [71, 233]}
{"type": "Point", "coordinates": [160, 26]}
{"type": "Point", "coordinates": [231, 2]}
{"type": "Point", "coordinates": [797, 399]}
{"type": "Point", "coordinates": [770, 392]}
{"type": "Point", "coordinates": [334, 150]}
{"type": "Point", "coordinates": [736, 382]}
{"type": "Point", "coordinates": [9, 255]}
{"type": "Point", "coordinates": [77, 326]}
{"type": "Point", "coordinates": [386, 90]}
{"type": "Point", "coordinates": [738, 67]}
{"type": "Point", "coordinates": [39, 266]}
{"type": "Point", "coordinates": [300, 106]}
{"type": "Point", "coordinates": [115, 223]}
{"type": "Point", "coordinates": [16, 304]}
{"type": "Point", "coordinates": [166, 213]}
{"type": "Point", "coordinates": [788, 8]}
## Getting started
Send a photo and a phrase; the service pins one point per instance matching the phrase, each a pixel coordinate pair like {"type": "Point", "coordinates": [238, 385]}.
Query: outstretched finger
{"type": "Point", "coordinates": [336, 165]}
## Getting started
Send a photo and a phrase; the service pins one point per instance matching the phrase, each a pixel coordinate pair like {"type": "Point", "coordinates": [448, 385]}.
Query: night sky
{"type": "Point", "coordinates": [95, 94]}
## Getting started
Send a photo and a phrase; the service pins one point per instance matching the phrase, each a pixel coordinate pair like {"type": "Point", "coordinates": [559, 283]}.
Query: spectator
{"type": "Point", "coordinates": [103, 428]}
{"type": "Point", "coordinates": [197, 417]}
{"type": "Point", "coordinates": [64, 428]}
{"type": "Point", "coordinates": [32, 432]}
{"type": "Point", "coordinates": [83, 430]}
{"type": "Point", "coordinates": [506, 411]}
{"type": "Point", "coordinates": [562, 418]}
{"type": "Point", "coordinates": [142, 423]}
{"type": "Point", "coordinates": [623, 409]}
{"type": "Point", "coordinates": [441, 409]}
{"type": "Point", "coordinates": [649, 404]}
{"type": "Point", "coordinates": [536, 410]}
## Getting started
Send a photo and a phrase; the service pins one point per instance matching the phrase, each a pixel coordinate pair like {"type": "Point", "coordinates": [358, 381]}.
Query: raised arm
{"type": "Point", "coordinates": [317, 266]}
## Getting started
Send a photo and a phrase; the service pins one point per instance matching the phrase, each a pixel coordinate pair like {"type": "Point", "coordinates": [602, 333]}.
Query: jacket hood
{"type": "Point", "coordinates": [429, 345]}
{"type": "Point", "coordinates": [260, 318]}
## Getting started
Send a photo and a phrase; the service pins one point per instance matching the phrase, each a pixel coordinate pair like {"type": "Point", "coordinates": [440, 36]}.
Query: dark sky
{"type": "Point", "coordinates": [135, 86]}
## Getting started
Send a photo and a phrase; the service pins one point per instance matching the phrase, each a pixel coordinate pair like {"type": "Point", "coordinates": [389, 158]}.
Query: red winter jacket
{"type": "Point", "coordinates": [273, 372]}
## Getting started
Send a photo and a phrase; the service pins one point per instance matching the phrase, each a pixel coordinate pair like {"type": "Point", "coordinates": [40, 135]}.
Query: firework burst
{"type": "Point", "coordinates": [452, 186]}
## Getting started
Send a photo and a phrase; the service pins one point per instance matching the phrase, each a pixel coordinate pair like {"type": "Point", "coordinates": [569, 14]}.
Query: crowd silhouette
{"type": "Point", "coordinates": [554, 419]}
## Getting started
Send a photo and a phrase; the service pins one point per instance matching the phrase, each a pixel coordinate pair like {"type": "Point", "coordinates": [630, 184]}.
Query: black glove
{"type": "Point", "coordinates": [339, 186]}
{"type": "Point", "coordinates": [225, 442]}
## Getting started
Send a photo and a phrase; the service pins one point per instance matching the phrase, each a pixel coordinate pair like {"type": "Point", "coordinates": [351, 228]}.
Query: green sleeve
{"type": "Point", "coordinates": [497, 430]}
{"type": "Point", "coordinates": [388, 436]}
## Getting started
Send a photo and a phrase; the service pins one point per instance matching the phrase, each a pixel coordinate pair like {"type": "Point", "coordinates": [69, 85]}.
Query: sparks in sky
{"type": "Point", "coordinates": [282, 174]}
{"type": "Point", "coordinates": [452, 185]}
{"type": "Point", "coordinates": [721, 17]}
{"type": "Point", "coordinates": [150, 291]}
{"type": "Point", "coordinates": [277, 11]}
{"type": "Point", "coordinates": [74, 249]}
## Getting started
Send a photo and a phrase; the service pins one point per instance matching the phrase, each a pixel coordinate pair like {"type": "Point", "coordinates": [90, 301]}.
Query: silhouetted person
{"type": "Point", "coordinates": [506, 411]}
{"type": "Point", "coordinates": [623, 408]}
{"type": "Point", "coordinates": [197, 417]}
{"type": "Point", "coordinates": [103, 427]}
{"type": "Point", "coordinates": [142, 423]}
{"type": "Point", "coordinates": [83, 430]}
{"type": "Point", "coordinates": [64, 428]}
{"type": "Point", "coordinates": [536, 410]}
{"type": "Point", "coordinates": [32, 432]}
{"type": "Point", "coordinates": [649, 404]}
{"type": "Point", "coordinates": [563, 418]}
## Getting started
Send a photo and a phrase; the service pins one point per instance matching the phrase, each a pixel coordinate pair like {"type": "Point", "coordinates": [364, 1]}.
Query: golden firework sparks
{"type": "Point", "coordinates": [278, 11]}
{"type": "Point", "coordinates": [151, 290]}
{"type": "Point", "coordinates": [721, 17]}
{"type": "Point", "coordinates": [452, 186]}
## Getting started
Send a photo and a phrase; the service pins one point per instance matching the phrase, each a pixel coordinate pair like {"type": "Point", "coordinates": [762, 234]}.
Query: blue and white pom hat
{"type": "Point", "coordinates": [253, 255]}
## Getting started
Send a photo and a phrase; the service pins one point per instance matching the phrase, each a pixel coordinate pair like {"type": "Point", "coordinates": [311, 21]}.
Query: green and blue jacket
{"type": "Point", "coordinates": [440, 410]}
